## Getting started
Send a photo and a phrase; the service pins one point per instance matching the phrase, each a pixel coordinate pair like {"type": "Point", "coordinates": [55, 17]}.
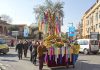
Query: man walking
{"type": "Point", "coordinates": [40, 55]}
{"type": "Point", "coordinates": [26, 45]}
{"type": "Point", "coordinates": [19, 48]}
{"type": "Point", "coordinates": [34, 52]}
{"type": "Point", "coordinates": [31, 48]}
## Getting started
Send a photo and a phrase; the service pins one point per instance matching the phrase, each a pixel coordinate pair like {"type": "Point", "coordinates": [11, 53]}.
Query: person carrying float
{"type": "Point", "coordinates": [76, 48]}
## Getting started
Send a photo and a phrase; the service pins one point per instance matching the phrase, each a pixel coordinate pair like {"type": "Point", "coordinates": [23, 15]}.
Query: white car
{"type": "Point", "coordinates": [88, 45]}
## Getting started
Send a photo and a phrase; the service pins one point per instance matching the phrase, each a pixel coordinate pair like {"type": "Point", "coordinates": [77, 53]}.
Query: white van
{"type": "Point", "coordinates": [88, 45]}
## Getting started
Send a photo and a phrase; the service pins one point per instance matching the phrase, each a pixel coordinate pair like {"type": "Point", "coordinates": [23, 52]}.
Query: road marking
{"type": "Point", "coordinates": [3, 67]}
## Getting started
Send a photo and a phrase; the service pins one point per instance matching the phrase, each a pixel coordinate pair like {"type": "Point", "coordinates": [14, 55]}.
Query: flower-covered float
{"type": "Point", "coordinates": [59, 52]}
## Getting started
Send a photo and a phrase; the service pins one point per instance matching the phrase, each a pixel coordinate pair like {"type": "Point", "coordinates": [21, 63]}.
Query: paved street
{"type": "Point", "coordinates": [11, 62]}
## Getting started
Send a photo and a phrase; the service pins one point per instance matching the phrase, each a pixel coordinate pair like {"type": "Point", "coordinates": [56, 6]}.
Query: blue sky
{"type": "Point", "coordinates": [21, 11]}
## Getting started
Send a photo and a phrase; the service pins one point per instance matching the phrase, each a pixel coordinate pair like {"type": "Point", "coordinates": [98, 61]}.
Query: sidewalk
{"type": "Point", "coordinates": [12, 47]}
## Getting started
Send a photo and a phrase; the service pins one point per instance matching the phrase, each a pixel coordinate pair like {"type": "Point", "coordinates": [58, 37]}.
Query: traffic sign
{"type": "Point", "coordinates": [71, 31]}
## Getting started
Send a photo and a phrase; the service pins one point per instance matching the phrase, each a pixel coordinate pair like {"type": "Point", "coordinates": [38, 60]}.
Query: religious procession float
{"type": "Point", "coordinates": [58, 54]}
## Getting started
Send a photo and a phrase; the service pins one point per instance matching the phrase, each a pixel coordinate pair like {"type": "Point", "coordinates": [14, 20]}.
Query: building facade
{"type": "Point", "coordinates": [19, 28]}
{"type": "Point", "coordinates": [91, 20]}
{"type": "Point", "coordinates": [4, 26]}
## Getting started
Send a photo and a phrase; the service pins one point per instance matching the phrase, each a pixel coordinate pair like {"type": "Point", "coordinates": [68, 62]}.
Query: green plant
{"type": "Point", "coordinates": [64, 40]}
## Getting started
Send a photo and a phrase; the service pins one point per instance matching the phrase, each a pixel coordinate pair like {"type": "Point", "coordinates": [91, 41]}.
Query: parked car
{"type": "Point", "coordinates": [88, 45]}
{"type": "Point", "coordinates": [3, 46]}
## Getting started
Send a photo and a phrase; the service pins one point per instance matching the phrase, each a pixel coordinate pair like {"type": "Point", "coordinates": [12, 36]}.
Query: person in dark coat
{"type": "Point", "coordinates": [44, 52]}
{"type": "Point", "coordinates": [34, 52]}
{"type": "Point", "coordinates": [40, 55]}
{"type": "Point", "coordinates": [25, 48]}
{"type": "Point", "coordinates": [19, 48]}
{"type": "Point", "coordinates": [12, 43]}
{"type": "Point", "coordinates": [30, 48]}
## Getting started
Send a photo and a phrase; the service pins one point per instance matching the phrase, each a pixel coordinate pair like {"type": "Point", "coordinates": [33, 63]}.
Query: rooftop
{"type": "Point", "coordinates": [92, 6]}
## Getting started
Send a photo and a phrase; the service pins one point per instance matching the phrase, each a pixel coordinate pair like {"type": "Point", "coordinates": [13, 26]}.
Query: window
{"type": "Point", "coordinates": [94, 42]}
{"type": "Point", "coordinates": [87, 29]}
{"type": "Point", "coordinates": [91, 19]}
{"type": "Point", "coordinates": [96, 16]}
{"type": "Point", "coordinates": [2, 41]}
{"type": "Point", "coordinates": [90, 29]}
{"type": "Point", "coordinates": [83, 42]}
{"type": "Point", "coordinates": [87, 22]}
{"type": "Point", "coordinates": [96, 26]}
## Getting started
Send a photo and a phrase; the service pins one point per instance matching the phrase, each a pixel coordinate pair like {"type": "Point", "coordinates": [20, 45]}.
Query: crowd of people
{"type": "Point", "coordinates": [36, 48]}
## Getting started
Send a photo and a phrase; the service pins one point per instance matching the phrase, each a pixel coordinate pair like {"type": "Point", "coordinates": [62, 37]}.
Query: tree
{"type": "Point", "coordinates": [34, 33]}
{"type": "Point", "coordinates": [53, 7]}
{"type": "Point", "coordinates": [6, 18]}
{"type": "Point", "coordinates": [34, 29]}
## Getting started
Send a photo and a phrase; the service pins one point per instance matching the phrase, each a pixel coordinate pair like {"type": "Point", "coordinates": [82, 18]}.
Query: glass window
{"type": "Point", "coordinates": [96, 16]}
{"type": "Point", "coordinates": [94, 42]}
{"type": "Point", "coordinates": [2, 41]}
{"type": "Point", "coordinates": [87, 22]}
{"type": "Point", "coordinates": [90, 29]}
{"type": "Point", "coordinates": [91, 20]}
{"type": "Point", "coordinates": [87, 29]}
{"type": "Point", "coordinates": [96, 25]}
{"type": "Point", "coordinates": [83, 42]}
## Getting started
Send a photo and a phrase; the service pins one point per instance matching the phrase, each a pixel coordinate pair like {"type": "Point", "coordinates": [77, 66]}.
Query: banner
{"type": "Point", "coordinates": [71, 31]}
{"type": "Point", "coordinates": [26, 31]}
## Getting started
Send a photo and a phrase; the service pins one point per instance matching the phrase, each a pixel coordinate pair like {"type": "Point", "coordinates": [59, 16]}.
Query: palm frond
{"type": "Point", "coordinates": [53, 7]}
